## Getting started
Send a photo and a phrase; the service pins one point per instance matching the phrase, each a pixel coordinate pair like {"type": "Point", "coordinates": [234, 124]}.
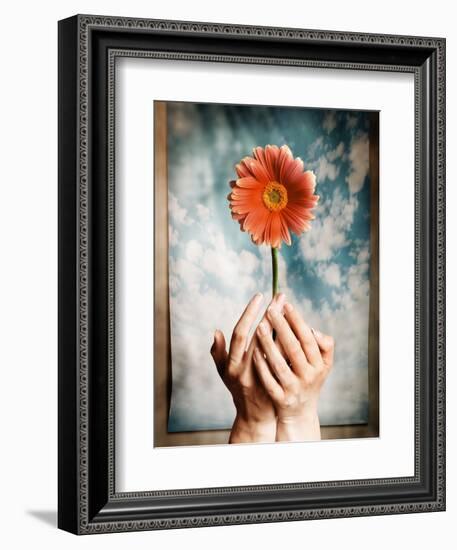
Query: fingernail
{"type": "Point", "coordinates": [257, 297]}
{"type": "Point", "coordinates": [280, 296]}
{"type": "Point", "coordinates": [316, 333]}
{"type": "Point", "coordinates": [288, 307]}
{"type": "Point", "coordinates": [262, 329]}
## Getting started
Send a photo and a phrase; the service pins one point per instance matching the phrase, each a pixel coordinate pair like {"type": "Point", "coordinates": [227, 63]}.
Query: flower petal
{"type": "Point", "coordinates": [273, 231]}
{"type": "Point", "coordinates": [258, 171]}
{"type": "Point", "coordinates": [285, 235]}
{"type": "Point", "coordinates": [249, 182]}
{"type": "Point", "coordinates": [271, 159]}
{"type": "Point", "coordinates": [256, 222]}
{"type": "Point", "coordinates": [293, 171]}
{"type": "Point", "coordinates": [261, 156]}
{"type": "Point", "coordinates": [284, 162]}
{"type": "Point", "coordinates": [242, 168]}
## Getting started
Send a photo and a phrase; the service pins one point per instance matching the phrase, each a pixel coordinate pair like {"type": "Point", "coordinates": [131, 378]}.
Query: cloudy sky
{"type": "Point", "coordinates": [215, 268]}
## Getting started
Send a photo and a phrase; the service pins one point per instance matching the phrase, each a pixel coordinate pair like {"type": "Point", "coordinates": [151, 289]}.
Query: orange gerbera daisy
{"type": "Point", "coordinates": [272, 195]}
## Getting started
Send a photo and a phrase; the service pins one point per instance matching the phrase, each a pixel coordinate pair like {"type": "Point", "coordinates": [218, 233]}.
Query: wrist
{"type": "Point", "coordinates": [246, 430]}
{"type": "Point", "coordinates": [302, 425]}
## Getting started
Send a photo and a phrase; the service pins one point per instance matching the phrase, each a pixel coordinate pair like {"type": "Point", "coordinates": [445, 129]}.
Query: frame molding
{"type": "Point", "coordinates": [88, 46]}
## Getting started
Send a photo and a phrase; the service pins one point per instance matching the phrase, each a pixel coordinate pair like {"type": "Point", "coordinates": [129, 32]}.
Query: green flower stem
{"type": "Point", "coordinates": [274, 261]}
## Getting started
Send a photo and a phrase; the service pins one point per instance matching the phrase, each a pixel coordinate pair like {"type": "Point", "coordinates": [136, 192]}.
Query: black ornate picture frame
{"type": "Point", "coordinates": [88, 501]}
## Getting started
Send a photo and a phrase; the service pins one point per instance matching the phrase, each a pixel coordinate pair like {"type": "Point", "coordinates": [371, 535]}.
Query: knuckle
{"type": "Point", "coordinates": [319, 365]}
{"type": "Point", "coordinates": [326, 368]}
{"type": "Point", "coordinates": [244, 384]}
{"type": "Point", "coordinates": [295, 351]}
{"type": "Point", "coordinates": [293, 389]}
{"type": "Point", "coordinates": [305, 340]}
{"type": "Point", "coordinates": [308, 379]}
{"type": "Point", "coordinates": [272, 393]}
{"type": "Point", "coordinates": [280, 366]}
{"type": "Point", "coordinates": [290, 401]}
{"type": "Point", "coordinates": [238, 336]}
{"type": "Point", "coordinates": [294, 348]}
{"type": "Point", "coordinates": [232, 369]}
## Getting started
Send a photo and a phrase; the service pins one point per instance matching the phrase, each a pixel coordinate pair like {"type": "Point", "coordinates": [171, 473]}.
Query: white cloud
{"type": "Point", "coordinates": [314, 147]}
{"type": "Point", "coordinates": [178, 214]}
{"type": "Point", "coordinates": [363, 255]}
{"type": "Point", "coordinates": [188, 274]}
{"type": "Point", "coordinates": [249, 261]}
{"type": "Point", "coordinates": [194, 174]}
{"type": "Point", "coordinates": [325, 166]}
{"type": "Point", "coordinates": [329, 230]}
{"type": "Point", "coordinates": [360, 162]}
{"type": "Point", "coordinates": [173, 235]}
{"type": "Point", "coordinates": [203, 212]}
{"type": "Point", "coordinates": [329, 123]}
{"type": "Point", "coordinates": [326, 170]}
{"type": "Point", "coordinates": [194, 251]}
{"type": "Point", "coordinates": [336, 153]}
{"type": "Point", "coordinates": [330, 273]}
{"type": "Point", "coordinates": [357, 280]}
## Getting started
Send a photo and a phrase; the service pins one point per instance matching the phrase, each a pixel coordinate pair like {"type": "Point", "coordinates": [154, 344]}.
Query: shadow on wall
{"type": "Point", "coordinates": [45, 516]}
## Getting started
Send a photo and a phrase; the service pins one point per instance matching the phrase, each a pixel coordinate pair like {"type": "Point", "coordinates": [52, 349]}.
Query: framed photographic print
{"type": "Point", "coordinates": [251, 274]}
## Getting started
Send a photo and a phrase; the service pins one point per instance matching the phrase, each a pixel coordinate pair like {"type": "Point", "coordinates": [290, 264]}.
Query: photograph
{"type": "Point", "coordinates": [271, 243]}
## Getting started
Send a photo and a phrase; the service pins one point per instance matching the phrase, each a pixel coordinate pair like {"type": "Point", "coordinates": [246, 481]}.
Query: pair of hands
{"type": "Point", "coordinates": [275, 383]}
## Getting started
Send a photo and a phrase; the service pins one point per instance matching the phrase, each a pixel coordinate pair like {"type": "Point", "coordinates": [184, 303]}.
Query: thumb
{"type": "Point", "coordinates": [218, 351]}
{"type": "Point", "coordinates": [326, 345]}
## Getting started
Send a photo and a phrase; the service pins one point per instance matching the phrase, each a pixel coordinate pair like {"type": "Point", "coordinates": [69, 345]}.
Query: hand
{"type": "Point", "coordinates": [255, 419]}
{"type": "Point", "coordinates": [293, 389]}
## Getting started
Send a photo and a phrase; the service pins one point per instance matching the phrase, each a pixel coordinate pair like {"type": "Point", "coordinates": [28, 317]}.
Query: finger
{"type": "Point", "coordinates": [274, 359]}
{"type": "Point", "coordinates": [218, 351]}
{"type": "Point", "coordinates": [327, 346]}
{"type": "Point", "coordinates": [281, 349]}
{"type": "Point", "coordinates": [240, 334]}
{"type": "Point", "coordinates": [287, 338]}
{"type": "Point", "coordinates": [304, 334]}
{"type": "Point", "coordinates": [278, 301]}
{"type": "Point", "coordinates": [267, 380]}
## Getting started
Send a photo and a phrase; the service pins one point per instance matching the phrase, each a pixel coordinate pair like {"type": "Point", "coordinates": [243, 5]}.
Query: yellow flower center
{"type": "Point", "coordinates": [275, 196]}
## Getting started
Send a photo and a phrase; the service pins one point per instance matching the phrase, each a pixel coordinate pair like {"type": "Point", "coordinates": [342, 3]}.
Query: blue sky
{"type": "Point", "coordinates": [215, 268]}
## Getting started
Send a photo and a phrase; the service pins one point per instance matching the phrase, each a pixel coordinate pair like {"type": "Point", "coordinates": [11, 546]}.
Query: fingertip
{"type": "Point", "coordinates": [258, 297]}
{"type": "Point", "coordinates": [213, 345]}
{"type": "Point", "coordinates": [279, 300]}
{"type": "Point", "coordinates": [325, 341]}
{"type": "Point", "coordinates": [330, 342]}
{"type": "Point", "coordinates": [217, 337]}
